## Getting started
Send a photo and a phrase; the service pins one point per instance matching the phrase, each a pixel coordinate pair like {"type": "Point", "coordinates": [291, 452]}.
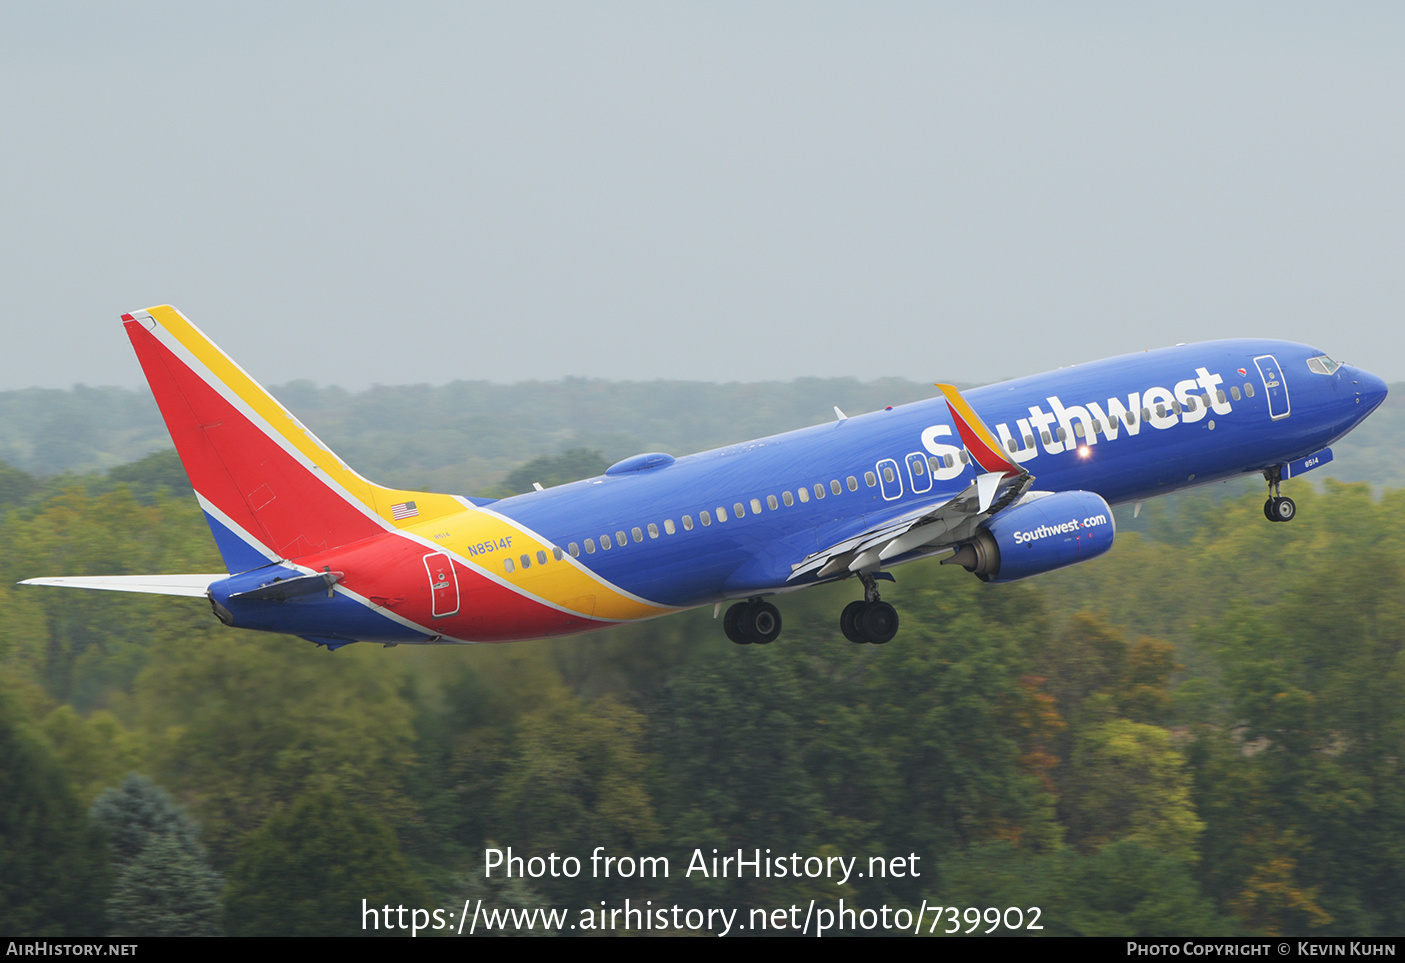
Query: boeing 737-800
{"type": "Point", "coordinates": [1008, 481]}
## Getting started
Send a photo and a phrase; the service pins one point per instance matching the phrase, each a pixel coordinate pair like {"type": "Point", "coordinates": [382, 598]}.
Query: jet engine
{"type": "Point", "coordinates": [1041, 532]}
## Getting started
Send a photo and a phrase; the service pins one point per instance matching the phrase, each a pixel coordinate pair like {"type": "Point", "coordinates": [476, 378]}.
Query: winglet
{"type": "Point", "coordinates": [978, 439]}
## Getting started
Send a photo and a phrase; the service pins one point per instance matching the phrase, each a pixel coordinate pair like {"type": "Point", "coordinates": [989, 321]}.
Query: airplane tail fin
{"type": "Point", "coordinates": [270, 488]}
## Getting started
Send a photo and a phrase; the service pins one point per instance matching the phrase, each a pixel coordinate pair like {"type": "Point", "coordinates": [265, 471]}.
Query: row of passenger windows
{"type": "Point", "coordinates": [936, 462]}
{"type": "Point", "coordinates": [721, 514]}
{"type": "Point", "coordinates": [705, 517]}
{"type": "Point", "coordinates": [526, 560]}
{"type": "Point", "coordinates": [1129, 418]}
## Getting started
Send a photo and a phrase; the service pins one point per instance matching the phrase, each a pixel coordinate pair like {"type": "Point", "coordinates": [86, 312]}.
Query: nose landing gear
{"type": "Point", "coordinates": [1279, 507]}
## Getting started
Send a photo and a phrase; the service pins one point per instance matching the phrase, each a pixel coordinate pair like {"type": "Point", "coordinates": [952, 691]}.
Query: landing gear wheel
{"type": "Point", "coordinates": [1278, 508]}
{"type": "Point", "coordinates": [878, 623]}
{"type": "Point", "coordinates": [731, 624]}
{"type": "Point", "coordinates": [849, 621]}
{"type": "Point", "coordinates": [760, 622]}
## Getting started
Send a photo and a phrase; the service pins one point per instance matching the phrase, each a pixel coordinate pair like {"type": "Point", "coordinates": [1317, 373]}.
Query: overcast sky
{"type": "Point", "coordinates": [395, 193]}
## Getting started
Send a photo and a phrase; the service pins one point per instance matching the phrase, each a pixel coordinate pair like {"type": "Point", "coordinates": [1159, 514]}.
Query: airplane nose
{"type": "Point", "coordinates": [1370, 390]}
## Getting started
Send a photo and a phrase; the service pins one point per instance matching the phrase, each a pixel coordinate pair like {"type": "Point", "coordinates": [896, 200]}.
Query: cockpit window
{"type": "Point", "coordinates": [1322, 365]}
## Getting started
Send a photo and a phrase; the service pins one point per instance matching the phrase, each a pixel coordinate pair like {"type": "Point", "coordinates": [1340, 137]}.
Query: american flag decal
{"type": "Point", "coordinates": [403, 510]}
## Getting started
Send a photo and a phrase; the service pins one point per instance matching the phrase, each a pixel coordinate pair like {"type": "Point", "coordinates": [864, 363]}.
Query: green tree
{"type": "Point", "coordinates": [163, 884]}
{"type": "Point", "coordinates": [1130, 783]}
{"type": "Point", "coordinates": [315, 868]}
{"type": "Point", "coordinates": [54, 878]}
{"type": "Point", "coordinates": [248, 724]}
{"type": "Point", "coordinates": [166, 890]}
{"type": "Point", "coordinates": [577, 777]}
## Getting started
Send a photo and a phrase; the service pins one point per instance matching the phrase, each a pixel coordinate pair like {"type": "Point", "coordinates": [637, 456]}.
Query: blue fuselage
{"type": "Point", "coordinates": [1126, 428]}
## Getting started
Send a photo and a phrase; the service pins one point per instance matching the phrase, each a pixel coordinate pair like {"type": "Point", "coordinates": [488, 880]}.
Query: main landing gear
{"type": "Point", "coordinates": [871, 620]}
{"type": "Point", "coordinates": [1279, 507]}
{"type": "Point", "coordinates": [752, 622]}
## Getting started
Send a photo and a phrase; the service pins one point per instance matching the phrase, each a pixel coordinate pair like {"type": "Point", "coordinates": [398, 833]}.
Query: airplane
{"type": "Point", "coordinates": [1008, 481]}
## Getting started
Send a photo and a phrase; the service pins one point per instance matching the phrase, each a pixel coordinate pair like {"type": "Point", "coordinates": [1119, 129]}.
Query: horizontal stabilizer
{"type": "Point", "coordinates": [190, 586]}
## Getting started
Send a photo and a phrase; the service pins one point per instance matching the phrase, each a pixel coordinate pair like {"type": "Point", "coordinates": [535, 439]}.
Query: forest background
{"type": "Point", "coordinates": [1198, 733]}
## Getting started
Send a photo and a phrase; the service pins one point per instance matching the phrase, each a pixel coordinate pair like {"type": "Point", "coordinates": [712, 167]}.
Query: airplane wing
{"type": "Point", "coordinates": [947, 523]}
{"type": "Point", "coordinates": [999, 483]}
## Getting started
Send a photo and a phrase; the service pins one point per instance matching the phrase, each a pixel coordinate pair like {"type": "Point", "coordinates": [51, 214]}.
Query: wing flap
{"type": "Point", "coordinates": [932, 525]}
{"type": "Point", "coordinates": [999, 483]}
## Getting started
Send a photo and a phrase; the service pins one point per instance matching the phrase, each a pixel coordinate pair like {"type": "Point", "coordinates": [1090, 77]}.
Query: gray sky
{"type": "Point", "coordinates": [362, 194]}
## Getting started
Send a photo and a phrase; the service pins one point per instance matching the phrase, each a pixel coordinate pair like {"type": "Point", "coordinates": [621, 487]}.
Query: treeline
{"type": "Point", "coordinates": [466, 437]}
{"type": "Point", "coordinates": [1198, 733]}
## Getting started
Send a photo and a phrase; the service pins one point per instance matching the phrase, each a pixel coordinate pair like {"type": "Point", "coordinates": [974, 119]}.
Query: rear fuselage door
{"type": "Point", "coordinates": [1277, 389]}
{"type": "Point", "coordinates": [443, 584]}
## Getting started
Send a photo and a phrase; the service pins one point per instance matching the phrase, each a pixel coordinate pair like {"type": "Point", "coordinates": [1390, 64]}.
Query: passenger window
{"type": "Point", "coordinates": [605, 543]}
{"type": "Point", "coordinates": [1048, 438]}
{"type": "Point", "coordinates": [1146, 414]}
{"type": "Point", "coordinates": [755, 507]}
{"type": "Point", "coordinates": [653, 530]}
{"type": "Point", "coordinates": [1161, 411]}
{"type": "Point", "coordinates": [705, 518]}
{"type": "Point", "coordinates": [819, 491]}
{"type": "Point", "coordinates": [887, 473]}
{"type": "Point", "coordinates": [804, 494]}
{"type": "Point", "coordinates": [1011, 445]}
{"type": "Point", "coordinates": [1078, 428]}
{"type": "Point", "coordinates": [621, 539]}
{"type": "Point", "coordinates": [933, 460]}
{"type": "Point", "coordinates": [1176, 407]}
{"type": "Point", "coordinates": [854, 482]}
{"type": "Point", "coordinates": [1249, 389]}
{"type": "Point", "coordinates": [738, 510]}
{"type": "Point", "coordinates": [870, 479]}
{"type": "Point", "coordinates": [526, 562]}
{"type": "Point", "coordinates": [507, 565]}
{"type": "Point", "coordinates": [1234, 392]}
{"type": "Point", "coordinates": [834, 486]}
{"type": "Point", "coordinates": [919, 468]}
{"type": "Point", "coordinates": [575, 550]}
{"type": "Point", "coordinates": [1129, 418]}
{"type": "Point", "coordinates": [688, 522]}
{"type": "Point", "coordinates": [1063, 435]}
{"type": "Point", "coordinates": [721, 513]}
{"type": "Point", "coordinates": [668, 528]}
{"type": "Point", "coordinates": [1029, 441]}
{"type": "Point", "coordinates": [556, 552]}
{"type": "Point", "coordinates": [590, 546]}
{"type": "Point", "coordinates": [638, 534]}
{"type": "Point", "coordinates": [788, 499]}
{"type": "Point", "coordinates": [1219, 393]}
{"type": "Point", "coordinates": [541, 557]}
{"type": "Point", "coordinates": [965, 456]}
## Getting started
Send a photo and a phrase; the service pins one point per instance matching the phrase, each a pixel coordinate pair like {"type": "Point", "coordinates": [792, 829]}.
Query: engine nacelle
{"type": "Point", "coordinates": [1043, 532]}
